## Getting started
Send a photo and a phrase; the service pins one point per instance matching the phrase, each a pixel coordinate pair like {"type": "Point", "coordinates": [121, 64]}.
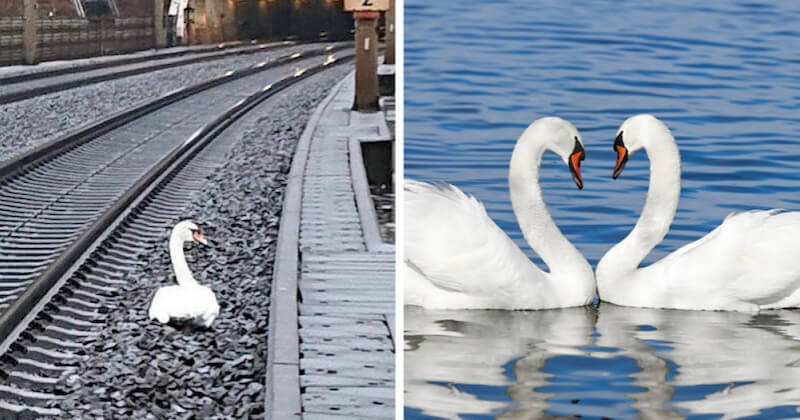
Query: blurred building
{"type": "Point", "coordinates": [305, 19]}
{"type": "Point", "coordinates": [85, 28]}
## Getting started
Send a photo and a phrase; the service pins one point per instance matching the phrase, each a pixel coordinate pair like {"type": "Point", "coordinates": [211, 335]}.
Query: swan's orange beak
{"type": "Point", "coordinates": [622, 156]}
{"type": "Point", "coordinates": [575, 163]}
{"type": "Point", "coordinates": [198, 237]}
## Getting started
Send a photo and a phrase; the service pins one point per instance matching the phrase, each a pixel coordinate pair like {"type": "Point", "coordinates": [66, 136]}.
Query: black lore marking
{"type": "Point", "coordinates": [618, 141]}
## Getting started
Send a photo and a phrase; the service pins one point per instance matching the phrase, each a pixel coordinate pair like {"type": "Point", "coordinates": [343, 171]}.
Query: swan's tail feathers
{"type": "Point", "coordinates": [159, 308]}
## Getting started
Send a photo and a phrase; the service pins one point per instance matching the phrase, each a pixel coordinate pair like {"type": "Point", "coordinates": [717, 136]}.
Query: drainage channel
{"type": "Point", "coordinates": [42, 328]}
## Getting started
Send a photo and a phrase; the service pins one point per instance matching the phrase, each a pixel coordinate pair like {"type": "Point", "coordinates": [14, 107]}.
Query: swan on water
{"type": "Point", "coordinates": [456, 257]}
{"type": "Point", "coordinates": [748, 263]}
{"type": "Point", "coordinates": [187, 300]}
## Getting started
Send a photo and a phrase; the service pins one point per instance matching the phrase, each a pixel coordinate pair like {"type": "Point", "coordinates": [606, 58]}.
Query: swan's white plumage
{"type": "Point", "coordinates": [749, 262]}
{"type": "Point", "coordinates": [457, 253]}
{"type": "Point", "coordinates": [192, 302]}
{"type": "Point", "coordinates": [751, 257]}
{"type": "Point", "coordinates": [187, 300]}
{"type": "Point", "coordinates": [456, 257]}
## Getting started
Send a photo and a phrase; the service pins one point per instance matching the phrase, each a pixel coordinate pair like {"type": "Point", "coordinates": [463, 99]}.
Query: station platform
{"type": "Point", "coordinates": [332, 339]}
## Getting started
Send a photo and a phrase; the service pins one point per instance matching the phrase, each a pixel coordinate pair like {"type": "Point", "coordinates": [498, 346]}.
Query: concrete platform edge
{"type": "Point", "coordinates": [282, 385]}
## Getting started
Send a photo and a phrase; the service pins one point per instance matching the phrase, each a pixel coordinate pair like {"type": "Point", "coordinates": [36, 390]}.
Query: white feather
{"type": "Point", "coordinates": [748, 263]}
{"type": "Point", "coordinates": [456, 257]}
{"type": "Point", "coordinates": [187, 300]}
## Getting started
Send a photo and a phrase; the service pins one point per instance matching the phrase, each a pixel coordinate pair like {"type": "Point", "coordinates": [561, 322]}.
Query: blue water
{"type": "Point", "coordinates": [724, 76]}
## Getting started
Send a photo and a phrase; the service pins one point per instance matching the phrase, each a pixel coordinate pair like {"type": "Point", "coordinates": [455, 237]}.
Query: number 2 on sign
{"type": "Point", "coordinates": [366, 5]}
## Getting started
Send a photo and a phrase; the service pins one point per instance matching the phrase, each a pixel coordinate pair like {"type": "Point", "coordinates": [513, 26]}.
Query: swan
{"type": "Point", "coordinates": [187, 299]}
{"type": "Point", "coordinates": [456, 257]}
{"type": "Point", "coordinates": [746, 264]}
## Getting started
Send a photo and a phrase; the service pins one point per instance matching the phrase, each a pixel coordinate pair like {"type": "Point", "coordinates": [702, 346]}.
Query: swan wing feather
{"type": "Point", "coordinates": [192, 302]}
{"type": "Point", "coordinates": [751, 256]}
{"type": "Point", "coordinates": [452, 241]}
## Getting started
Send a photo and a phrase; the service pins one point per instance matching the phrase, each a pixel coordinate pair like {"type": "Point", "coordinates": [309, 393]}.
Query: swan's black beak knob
{"type": "Point", "coordinates": [574, 162]}
{"type": "Point", "coordinates": [622, 156]}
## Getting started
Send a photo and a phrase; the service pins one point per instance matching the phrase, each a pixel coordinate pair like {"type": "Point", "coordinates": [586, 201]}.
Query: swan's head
{"type": "Point", "coordinates": [633, 135]}
{"type": "Point", "coordinates": [187, 231]}
{"type": "Point", "coordinates": [561, 137]}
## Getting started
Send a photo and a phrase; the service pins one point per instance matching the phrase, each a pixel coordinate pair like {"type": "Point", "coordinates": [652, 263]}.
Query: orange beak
{"type": "Point", "coordinates": [622, 159]}
{"type": "Point", "coordinates": [622, 156]}
{"type": "Point", "coordinates": [198, 237]}
{"type": "Point", "coordinates": [575, 163]}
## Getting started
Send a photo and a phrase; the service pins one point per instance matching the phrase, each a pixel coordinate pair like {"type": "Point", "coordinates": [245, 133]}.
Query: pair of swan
{"type": "Point", "coordinates": [456, 257]}
{"type": "Point", "coordinates": [187, 300]}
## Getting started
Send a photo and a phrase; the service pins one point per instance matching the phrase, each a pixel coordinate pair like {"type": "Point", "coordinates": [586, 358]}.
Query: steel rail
{"type": "Point", "coordinates": [116, 62]}
{"type": "Point", "coordinates": [123, 212]}
{"type": "Point", "coordinates": [112, 75]}
{"type": "Point", "coordinates": [95, 129]}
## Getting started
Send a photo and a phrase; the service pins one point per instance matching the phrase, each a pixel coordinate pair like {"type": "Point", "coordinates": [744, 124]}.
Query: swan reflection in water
{"type": "Point", "coordinates": [608, 361]}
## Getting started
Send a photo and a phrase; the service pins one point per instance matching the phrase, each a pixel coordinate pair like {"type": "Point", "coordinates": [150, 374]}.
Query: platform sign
{"type": "Point", "coordinates": [366, 5]}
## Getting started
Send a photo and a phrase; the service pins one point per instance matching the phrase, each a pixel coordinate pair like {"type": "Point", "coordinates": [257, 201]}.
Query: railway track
{"type": "Point", "coordinates": [24, 76]}
{"type": "Point", "coordinates": [29, 85]}
{"type": "Point", "coordinates": [75, 213]}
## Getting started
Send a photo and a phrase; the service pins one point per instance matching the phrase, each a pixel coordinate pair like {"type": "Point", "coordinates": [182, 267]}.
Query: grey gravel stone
{"type": "Point", "coordinates": [148, 370]}
{"type": "Point", "coordinates": [33, 121]}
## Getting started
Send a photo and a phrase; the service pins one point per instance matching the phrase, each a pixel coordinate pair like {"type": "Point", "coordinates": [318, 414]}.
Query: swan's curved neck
{"type": "Point", "coordinates": [541, 233]}
{"type": "Point", "coordinates": [659, 208]}
{"type": "Point", "coordinates": [182, 273]}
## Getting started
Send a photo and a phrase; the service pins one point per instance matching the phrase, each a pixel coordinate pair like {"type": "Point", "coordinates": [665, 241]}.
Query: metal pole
{"type": "Point", "coordinates": [30, 41]}
{"type": "Point", "coordinates": [159, 31]}
{"type": "Point", "coordinates": [366, 61]}
{"type": "Point", "coordinates": [389, 57]}
{"type": "Point", "coordinates": [222, 25]}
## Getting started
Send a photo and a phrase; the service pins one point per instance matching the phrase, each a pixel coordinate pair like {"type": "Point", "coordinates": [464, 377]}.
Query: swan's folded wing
{"type": "Point", "coordinates": [454, 243]}
{"type": "Point", "coordinates": [193, 302]}
{"type": "Point", "coordinates": [751, 255]}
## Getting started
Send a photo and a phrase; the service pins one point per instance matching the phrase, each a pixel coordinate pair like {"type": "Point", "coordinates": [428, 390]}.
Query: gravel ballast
{"type": "Point", "coordinates": [33, 121]}
{"type": "Point", "coordinates": [137, 368]}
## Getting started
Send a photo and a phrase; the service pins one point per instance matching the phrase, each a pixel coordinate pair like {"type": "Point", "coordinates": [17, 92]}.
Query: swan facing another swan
{"type": "Point", "coordinates": [748, 263]}
{"type": "Point", "coordinates": [456, 257]}
{"type": "Point", "coordinates": [187, 300]}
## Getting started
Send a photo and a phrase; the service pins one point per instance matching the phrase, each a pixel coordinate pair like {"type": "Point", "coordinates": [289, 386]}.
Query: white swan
{"type": "Point", "coordinates": [456, 257]}
{"type": "Point", "coordinates": [187, 300]}
{"type": "Point", "coordinates": [749, 262]}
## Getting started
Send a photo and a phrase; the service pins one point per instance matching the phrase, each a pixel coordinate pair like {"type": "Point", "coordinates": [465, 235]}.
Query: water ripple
{"type": "Point", "coordinates": [724, 76]}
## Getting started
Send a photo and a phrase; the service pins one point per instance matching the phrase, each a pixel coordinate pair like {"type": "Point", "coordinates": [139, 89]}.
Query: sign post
{"type": "Point", "coordinates": [366, 14]}
{"type": "Point", "coordinates": [29, 32]}
{"type": "Point", "coordinates": [159, 29]}
{"type": "Point", "coordinates": [389, 58]}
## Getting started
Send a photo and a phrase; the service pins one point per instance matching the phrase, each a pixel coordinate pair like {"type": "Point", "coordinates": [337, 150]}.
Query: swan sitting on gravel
{"type": "Point", "coordinates": [187, 300]}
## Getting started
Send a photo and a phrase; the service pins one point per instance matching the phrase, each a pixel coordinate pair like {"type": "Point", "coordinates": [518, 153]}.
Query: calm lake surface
{"type": "Point", "coordinates": [725, 77]}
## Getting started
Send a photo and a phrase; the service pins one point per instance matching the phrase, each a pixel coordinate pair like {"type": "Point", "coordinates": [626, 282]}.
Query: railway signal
{"type": "Point", "coordinates": [366, 14]}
